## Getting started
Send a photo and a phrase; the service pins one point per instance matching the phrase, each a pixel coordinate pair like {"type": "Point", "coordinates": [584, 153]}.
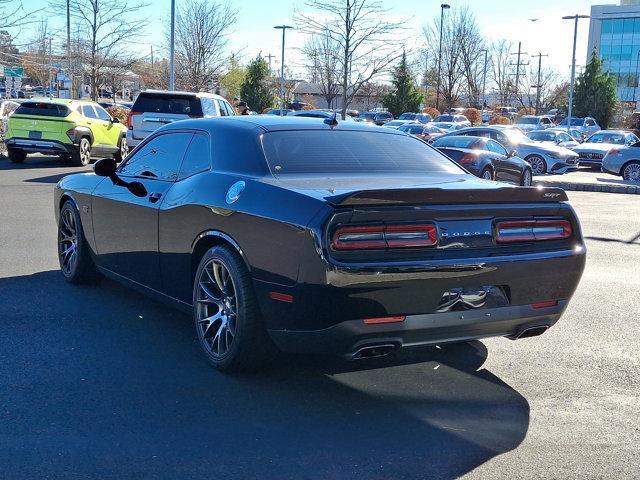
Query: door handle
{"type": "Point", "coordinates": [154, 197]}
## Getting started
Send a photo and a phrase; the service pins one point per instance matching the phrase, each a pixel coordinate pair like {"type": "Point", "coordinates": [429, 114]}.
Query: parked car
{"type": "Point", "coordinates": [556, 114]}
{"type": "Point", "coordinates": [486, 115]}
{"type": "Point", "coordinates": [508, 112]}
{"type": "Point", "coordinates": [398, 123]}
{"type": "Point", "coordinates": [460, 120]}
{"type": "Point", "coordinates": [623, 161]}
{"type": "Point", "coordinates": [486, 158]}
{"type": "Point", "coordinates": [542, 158]}
{"type": "Point", "coordinates": [554, 137]}
{"type": "Point", "coordinates": [428, 133]}
{"type": "Point", "coordinates": [7, 107]}
{"type": "Point", "coordinates": [285, 233]}
{"type": "Point", "coordinates": [446, 127]}
{"type": "Point", "coordinates": [73, 129]}
{"type": "Point", "coordinates": [154, 108]}
{"type": "Point", "coordinates": [528, 123]}
{"type": "Point", "coordinates": [593, 150]}
{"type": "Point", "coordinates": [586, 126]}
{"type": "Point", "coordinates": [379, 118]}
{"type": "Point", "coordinates": [423, 118]}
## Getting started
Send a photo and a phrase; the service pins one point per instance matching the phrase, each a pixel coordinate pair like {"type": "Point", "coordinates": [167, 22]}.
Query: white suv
{"type": "Point", "coordinates": [154, 108]}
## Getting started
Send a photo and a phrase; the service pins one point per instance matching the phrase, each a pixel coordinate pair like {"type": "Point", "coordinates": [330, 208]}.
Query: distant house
{"type": "Point", "coordinates": [367, 98]}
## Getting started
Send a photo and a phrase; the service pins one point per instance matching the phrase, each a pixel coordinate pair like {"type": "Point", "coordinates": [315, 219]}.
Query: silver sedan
{"type": "Point", "coordinates": [624, 161]}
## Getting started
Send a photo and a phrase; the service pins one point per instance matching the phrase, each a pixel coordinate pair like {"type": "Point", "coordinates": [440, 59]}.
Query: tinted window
{"type": "Point", "coordinates": [348, 152]}
{"type": "Point", "coordinates": [167, 103]}
{"type": "Point", "coordinates": [196, 159]}
{"type": "Point", "coordinates": [102, 114]}
{"type": "Point", "coordinates": [607, 137]}
{"type": "Point", "coordinates": [527, 121]}
{"type": "Point", "coordinates": [407, 116]}
{"type": "Point", "coordinates": [227, 107]}
{"type": "Point", "coordinates": [495, 147]}
{"type": "Point", "coordinates": [543, 136]}
{"type": "Point", "coordinates": [458, 142]}
{"type": "Point", "coordinates": [88, 111]}
{"type": "Point", "coordinates": [44, 109]}
{"type": "Point", "coordinates": [575, 122]}
{"type": "Point", "coordinates": [563, 137]}
{"type": "Point", "coordinates": [160, 158]}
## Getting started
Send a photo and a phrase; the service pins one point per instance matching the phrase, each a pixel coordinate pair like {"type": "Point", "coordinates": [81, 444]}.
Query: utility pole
{"type": "Point", "coordinates": [284, 29]}
{"type": "Point", "coordinates": [172, 75]}
{"type": "Point", "coordinates": [49, 68]}
{"type": "Point", "coordinates": [484, 78]}
{"type": "Point", "coordinates": [269, 57]}
{"type": "Point", "coordinates": [69, 71]}
{"type": "Point", "coordinates": [443, 7]}
{"type": "Point", "coordinates": [575, 18]}
{"type": "Point", "coordinates": [518, 64]}
{"type": "Point", "coordinates": [539, 85]}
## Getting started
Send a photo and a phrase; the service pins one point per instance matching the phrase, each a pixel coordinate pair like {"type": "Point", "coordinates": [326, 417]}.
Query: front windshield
{"type": "Point", "coordinates": [516, 136]}
{"type": "Point", "coordinates": [542, 136]}
{"type": "Point", "coordinates": [527, 121]}
{"type": "Point", "coordinates": [605, 137]}
{"type": "Point", "coordinates": [575, 122]}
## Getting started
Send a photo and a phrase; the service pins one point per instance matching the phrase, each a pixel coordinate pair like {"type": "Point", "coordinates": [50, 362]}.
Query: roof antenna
{"type": "Point", "coordinates": [333, 121]}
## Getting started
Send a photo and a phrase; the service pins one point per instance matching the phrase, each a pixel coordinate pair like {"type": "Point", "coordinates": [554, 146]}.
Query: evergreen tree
{"type": "Point", "coordinates": [405, 96]}
{"type": "Point", "coordinates": [595, 93]}
{"type": "Point", "coordinates": [255, 87]}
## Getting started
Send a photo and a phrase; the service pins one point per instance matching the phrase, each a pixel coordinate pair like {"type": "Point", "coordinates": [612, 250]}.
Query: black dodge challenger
{"type": "Point", "coordinates": [319, 236]}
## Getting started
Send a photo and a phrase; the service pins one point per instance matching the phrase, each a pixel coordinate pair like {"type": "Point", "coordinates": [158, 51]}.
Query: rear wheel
{"type": "Point", "coordinates": [538, 165]}
{"type": "Point", "coordinates": [16, 156]}
{"type": "Point", "coordinates": [525, 181]}
{"type": "Point", "coordinates": [82, 156]}
{"type": "Point", "coordinates": [631, 172]}
{"type": "Point", "coordinates": [123, 150]}
{"type": "Point", "coordinates": [487, 174]}
{"type": "Point", "coordinates": [226, 315]}
{"type": "Point", "coordinates": [74, 256]}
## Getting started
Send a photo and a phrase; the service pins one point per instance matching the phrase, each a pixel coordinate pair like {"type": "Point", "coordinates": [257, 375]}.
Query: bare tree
{"type": "Point", "coordinates": [201, 39]}
{"type": "Point", "coordinates": [502, 70]}
{"type": "Point", "coordinates": [36, 60]}
{"type": "Point", "coordinates": [106, 26]}
{"type": "Point", "coordinates": [13, 14]}
{"type": "Point", "coordinates": [322, 53]}
{"type": "Point", "coordinates": [368, 42]}
{"type": "Point", "coordinates": [471, 52]}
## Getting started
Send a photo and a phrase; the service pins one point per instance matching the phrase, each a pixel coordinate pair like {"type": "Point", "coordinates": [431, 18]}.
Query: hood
{"type": "Point", "coordinates": [436, 189]}
{"type": "Point", "coordinates": [597, 147]}
{"type": "Point", "coordinates": [527, 127]}
{"type": "Point", "coordinates": [543, 147]}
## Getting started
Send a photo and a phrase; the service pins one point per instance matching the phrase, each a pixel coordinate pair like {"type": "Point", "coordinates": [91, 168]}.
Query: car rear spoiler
{"type": "Point", "coordinates": [439, 196]}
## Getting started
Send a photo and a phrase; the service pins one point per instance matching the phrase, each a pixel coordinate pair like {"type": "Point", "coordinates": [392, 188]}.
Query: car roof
{"type": "Point", "coordinates": [273, 123]}
{"type": "Point", "coordinates": [180, 93]}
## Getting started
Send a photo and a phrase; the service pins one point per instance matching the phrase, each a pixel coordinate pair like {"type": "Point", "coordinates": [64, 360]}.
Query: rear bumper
{"type": "Point", "coordinates": [30, 145]}
{"type": "Point", "coordinates": [350, 336]}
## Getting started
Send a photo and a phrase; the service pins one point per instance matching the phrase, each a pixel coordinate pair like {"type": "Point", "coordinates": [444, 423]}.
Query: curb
{"type": "Point", "coordinates": [590, 187]}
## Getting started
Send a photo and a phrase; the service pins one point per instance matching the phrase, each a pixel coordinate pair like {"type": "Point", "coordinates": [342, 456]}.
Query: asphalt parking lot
{"type": "Point", "coordinates": [101, 382]}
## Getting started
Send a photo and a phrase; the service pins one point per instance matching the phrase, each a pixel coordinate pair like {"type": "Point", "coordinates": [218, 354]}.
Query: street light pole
{"type": "Point", "coordinates": [443, 7]}
{"type": "Point", "coordinates": [575, 18]}
{"type": "Point", "coordinates": [484, 78]}
{"type": "Point", "coordinates": [172, 76]}
{"type": "Point", "coordinates": [284, 29]}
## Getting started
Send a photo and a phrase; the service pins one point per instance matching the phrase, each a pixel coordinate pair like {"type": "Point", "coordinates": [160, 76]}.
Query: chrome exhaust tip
{"type": "Point", "coordinates": [373, 351]}
{"type": "Point", "coordinates": [531, 332]}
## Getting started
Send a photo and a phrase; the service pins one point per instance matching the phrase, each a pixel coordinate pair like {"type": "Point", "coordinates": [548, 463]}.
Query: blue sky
{"type": "Point", "coordinates": [254, 32]}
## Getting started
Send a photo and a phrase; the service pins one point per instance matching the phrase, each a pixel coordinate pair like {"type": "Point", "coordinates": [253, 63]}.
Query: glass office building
{"type": "Point", "coordinates": [614, 32]}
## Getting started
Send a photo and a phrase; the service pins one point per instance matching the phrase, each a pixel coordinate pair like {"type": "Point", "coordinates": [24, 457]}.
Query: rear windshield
{"type": "Point", "coordinates": [44, 109]}
{"type": "Point", "coordinates": [527, 121]}
{"type": "Point", "coordinates": [575, 122]}
{"type": "Point", "coordinates": [348, 152]}
{"type": "Point", "coordinates": [458, 142]}
{"type": "Point", "coordinates": [167, 103]}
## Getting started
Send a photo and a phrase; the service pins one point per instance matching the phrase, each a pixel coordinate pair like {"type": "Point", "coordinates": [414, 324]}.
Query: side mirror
{"type": "Point", "coordinates": [114, 120]}
{"type": "Point", "coordinates": [512, 153]}
{"type": "Point", "coordinates": [105, 167]}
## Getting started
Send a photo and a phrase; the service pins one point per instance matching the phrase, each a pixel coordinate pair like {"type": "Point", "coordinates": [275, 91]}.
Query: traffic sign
{"type": "Point", "coordinates": [13, 72]}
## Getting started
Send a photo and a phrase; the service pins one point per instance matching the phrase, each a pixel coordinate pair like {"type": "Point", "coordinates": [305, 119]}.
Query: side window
{"type": "Point", "coordinates": [495, 147]}
{"type": "Point", "coordinates": [480, 133]}
{"type": "Point", "coordinates": [229, 108]}
{"type": "Point", "coordinates": [563, 137]}
{"type": "Point", "coordinates": [589, 123]}
{"type": "Point", "coordinates": [161, 158]}
{"type": "Point", "coordinates": [88, 111]}
{"type": "Point", "coordinates": [102, 114]}
{"type": "Point", "coordinates": [223, 111]}
{"type": "Point", "coordinates": [197, 157]}
{"type": "Point", "coordinates": [208, 106]}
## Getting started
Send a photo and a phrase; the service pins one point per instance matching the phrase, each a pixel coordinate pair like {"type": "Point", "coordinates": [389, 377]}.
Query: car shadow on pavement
{"type": "Point", "coordinates": [100, 382]}
{"type": "Point", "coordinates": [34, 161]}
{"type": "Point", "coordinates": [632, 241]}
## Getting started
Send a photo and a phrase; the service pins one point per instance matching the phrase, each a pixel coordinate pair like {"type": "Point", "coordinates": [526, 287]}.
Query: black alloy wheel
{"type": "Point", "coordinates": [74, 256]}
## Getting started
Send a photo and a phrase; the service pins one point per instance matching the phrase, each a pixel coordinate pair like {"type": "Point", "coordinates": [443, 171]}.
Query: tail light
{"type": "Point", "coordinates": [614, 152]}
{"type": "Point", "coordinates": [384, 236]}
{"type": "Point", "coordinates": [130, 116]}
{"type": "Point", "coordinates": [532, 230]}
{"type": "Point", "coordinates": [71, 133]}
{"type": "Point", "coordinates": [467, 159]}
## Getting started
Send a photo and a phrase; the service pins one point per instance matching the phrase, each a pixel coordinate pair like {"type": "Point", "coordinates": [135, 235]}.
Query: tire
{"type": "Point", "coordinates": [487, 174]}
{"type": "Point", "coordinates": [123, 150]}
{"type": "Point", "coordinates": [74, 254]}
{"type": "Point", "coordinates": [538, 164]}
{"type": "Point", "coordinates": [81, 157]}
{"type": "Point", "coordinates": [226, 316]}
{"type": "Point", "coordinates": [631, 171]}
{"type": "Point", "coordinates": [16, 156]}
{"type": "Point", "coordinates": [526, 179]}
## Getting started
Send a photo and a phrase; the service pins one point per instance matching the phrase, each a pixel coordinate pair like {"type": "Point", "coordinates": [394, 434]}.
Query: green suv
{"type": "Point", "coordinates": [75, 130]}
